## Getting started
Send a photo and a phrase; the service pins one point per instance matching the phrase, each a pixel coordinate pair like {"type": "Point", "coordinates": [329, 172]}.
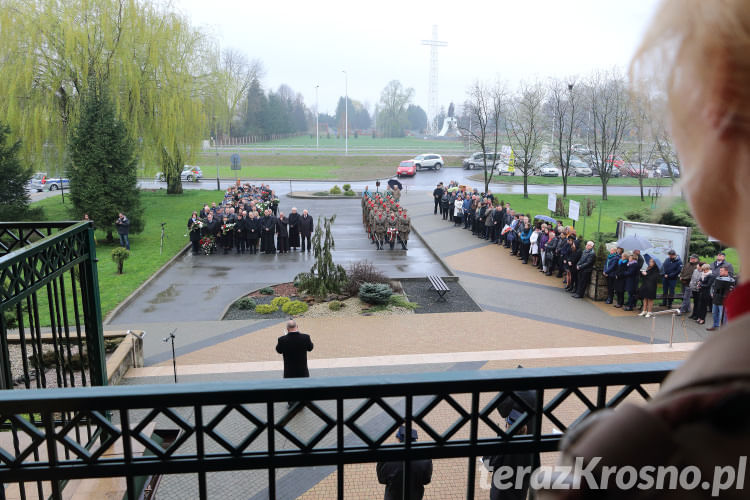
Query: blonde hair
{"type": "Point", "coordinates": [703, 39]}
{"type": "Point", "coordinates": [705, 267]}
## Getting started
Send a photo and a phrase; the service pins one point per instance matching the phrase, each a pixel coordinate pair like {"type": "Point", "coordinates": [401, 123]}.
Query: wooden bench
{"type": "Point", "coordinates": [439, 286]}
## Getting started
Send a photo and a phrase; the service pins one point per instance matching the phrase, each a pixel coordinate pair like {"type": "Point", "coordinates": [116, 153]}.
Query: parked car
{"type": "Point", "coordinates": [428, 161]}
{"type": "Point", "coordinates": [503, 168]}
{"type": "Point", "coordinates": [189, 174]}
{"type": "Point", "coordinates": [579, 168]}
{"type": "Point", "coordinates": [663, 170]}
{"type": "Point", "coordinates": [580, 149]}
{"type": "Point", "coordinates": [545, 169]}
{"type": "Point", "coordinates": [633, 170]}
{"type": "Point", "coordinates": [477, 161]}
{"type": "Point", "coordinates": [406, 168]}
{"type": "Point", "coordinates": [41, 182]}
{"type": "Point", "coordinates": [614, 173]}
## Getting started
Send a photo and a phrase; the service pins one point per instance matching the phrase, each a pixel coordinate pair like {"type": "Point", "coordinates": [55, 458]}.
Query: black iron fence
{"type": "Point", "coordinates": [50, 318]}
{"type": "Point", "coordinates": [248, 426]}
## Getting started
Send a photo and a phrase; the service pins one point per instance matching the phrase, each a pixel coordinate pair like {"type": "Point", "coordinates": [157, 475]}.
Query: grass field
{"type": "Point", "coordinates": [367, 142]}
{"type": "Point", "coordinates": [574, 181]}
{"type": "Point", "coordinates": [144, 257]}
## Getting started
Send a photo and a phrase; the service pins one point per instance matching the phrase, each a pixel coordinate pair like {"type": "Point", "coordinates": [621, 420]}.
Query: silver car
{"type": "Point", "coordinates": [189, 174]}
{"type": "Point", "coordinates": [580, 169]}
{"type": "Point", "coordinates": [429, 161]}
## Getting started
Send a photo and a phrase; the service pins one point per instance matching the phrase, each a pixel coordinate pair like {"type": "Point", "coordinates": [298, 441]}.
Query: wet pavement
{"type": "Point", "coordinates": [199, 287]}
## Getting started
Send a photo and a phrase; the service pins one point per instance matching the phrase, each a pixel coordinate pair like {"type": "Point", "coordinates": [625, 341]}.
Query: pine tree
{"type": "Point", "coordinates": [14, 198]}
{"type": "Point", "coordinates": [103, 163]}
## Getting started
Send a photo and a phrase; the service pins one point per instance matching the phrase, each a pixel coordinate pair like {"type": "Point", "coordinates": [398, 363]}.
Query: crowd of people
{"type": "Point", "coordinates": [384, 219]}
{"type": "Point", "coordinates": [555, 249]}
{"type": "Point", "coordinates": [248, 220]}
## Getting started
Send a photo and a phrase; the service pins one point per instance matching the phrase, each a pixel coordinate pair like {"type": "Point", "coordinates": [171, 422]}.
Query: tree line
{"type": "Point", "coordinates": [542, 121]}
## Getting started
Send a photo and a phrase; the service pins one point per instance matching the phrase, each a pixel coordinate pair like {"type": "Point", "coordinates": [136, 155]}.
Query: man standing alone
{"type": "Point", "coordinates": [294, 347]}
{"type": "Point", "coordinates": [123, 229]}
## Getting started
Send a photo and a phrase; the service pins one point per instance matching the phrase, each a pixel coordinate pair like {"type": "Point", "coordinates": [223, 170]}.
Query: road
{"type": "Point", "coordinates": [423, 181]}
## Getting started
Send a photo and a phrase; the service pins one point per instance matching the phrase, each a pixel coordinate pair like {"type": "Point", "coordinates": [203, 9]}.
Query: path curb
{"type": "Point", "coordinates": [130, 298]}
{"type": "Point", "coordinates": [451, 276]}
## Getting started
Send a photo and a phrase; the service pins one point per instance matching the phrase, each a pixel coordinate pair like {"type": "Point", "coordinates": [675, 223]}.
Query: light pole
{"type": "Point", "coordinates": [346, 111]}
{"type": "Point", "coordinates": [216, 148]}
{"type": "Point", "coordinates": [317, 115]}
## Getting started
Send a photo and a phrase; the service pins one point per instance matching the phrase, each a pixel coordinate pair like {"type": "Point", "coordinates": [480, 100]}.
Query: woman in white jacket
{"type": "Point", "coordinates": [534, 245]}
{"type": "Point", "coordinates": [458, 210]}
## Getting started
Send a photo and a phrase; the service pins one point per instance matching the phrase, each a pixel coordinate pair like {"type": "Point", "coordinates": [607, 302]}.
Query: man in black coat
{"type": "Point", "coordinates": [306, 229]}
{"type": "Point", "coordinates": [195, 235]}
{"type": "Point", "coordinates": [294, 218]}
{"type": "Point", "coordinates": [585, 267]}
{"type": "Point", "coordinates": [294, 346]}
{"type": "Point", "coordinates": [282, 231]}
{"type": "Point", "coordinates": [267, 232]}
{"type": "Point", "coordinates": [506, 486]}
{"type": "Point", "coordinates": [211, 226]}
{"type": "Point", "coordinates": [437, 194]}
{"type": "Point", "coordinates": [391, 474]}
{"type": "Point", "coordinates": [252, 232]}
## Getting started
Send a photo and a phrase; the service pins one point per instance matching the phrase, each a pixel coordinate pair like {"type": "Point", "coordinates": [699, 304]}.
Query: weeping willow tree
{"type": "Point", "coordinates": [152, 62]}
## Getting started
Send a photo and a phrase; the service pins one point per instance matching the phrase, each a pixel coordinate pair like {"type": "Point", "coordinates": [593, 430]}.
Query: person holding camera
{"type": "Point", "coordinates": [123, 229]}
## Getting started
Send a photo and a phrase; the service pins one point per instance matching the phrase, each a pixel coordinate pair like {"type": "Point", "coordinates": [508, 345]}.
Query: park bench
{"type": "Point", "coordinates": [439, 286]}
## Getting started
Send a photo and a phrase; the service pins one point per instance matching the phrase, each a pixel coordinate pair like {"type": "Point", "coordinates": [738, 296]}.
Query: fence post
{"type": "Point", "coordinates": [93, 312]}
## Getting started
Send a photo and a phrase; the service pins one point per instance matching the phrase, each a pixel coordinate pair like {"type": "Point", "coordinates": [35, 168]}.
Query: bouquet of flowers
{"type": "Point", "coordinates": [197, 226]}
{"type": "Point", "coordinates": [207, 244]}
{"type": "Point", "coordinates": [225, 228]}
{"type": "Point", "coordinates": [261, 206]}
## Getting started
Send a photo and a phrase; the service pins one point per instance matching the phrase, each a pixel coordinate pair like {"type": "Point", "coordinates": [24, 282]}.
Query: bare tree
{"type": "Point", "coordinates": [484, 109]}
{"type": "Point", "coordinates": [564, 99]}
{"type": "Point", "coordinates": [610, 117]}
{"type": "Point", "coordinates": [236, 73]}
{"type": "Point", "coordinates": [645, 149]}
{"type": "Point", "coordinates": [523, 127]}
{"type": "Point", "coordinates": [662, 140]}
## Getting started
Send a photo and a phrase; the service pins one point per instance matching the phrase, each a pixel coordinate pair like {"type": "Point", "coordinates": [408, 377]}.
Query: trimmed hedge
{"type": "Point", "coordinates": [266, 308]}
{"type": "Point", "coordinates": [295, 307]}
{"type": "Point", "coordinates": [266, 291]}
{"type": "Point", "coordinates": [280, 301]}
{"type": "Point", "coordinates": [246, 303]}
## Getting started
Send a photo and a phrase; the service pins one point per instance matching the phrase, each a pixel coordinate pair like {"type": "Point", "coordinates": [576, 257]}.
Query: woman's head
{"type": "Point", "coordinates": [651, 263]}
{"type": "Point", "coordinates": [703, 49]}
{"type": "Point", "coordinates": [706, 268]}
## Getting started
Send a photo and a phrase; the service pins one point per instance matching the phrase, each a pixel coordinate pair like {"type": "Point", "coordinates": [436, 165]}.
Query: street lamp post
{"type": "Point", "coordinates": [317, 115]}
{"type": "Point", "coordinates": [346, 112]}
{"type": "Point", "coordinates": [216, 148]}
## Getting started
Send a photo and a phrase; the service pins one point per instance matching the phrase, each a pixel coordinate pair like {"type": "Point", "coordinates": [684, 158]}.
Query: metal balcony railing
{"type": "Point", "coordinates": [247, 427]}
{"type": "Point", "coordinates": [49, 306]}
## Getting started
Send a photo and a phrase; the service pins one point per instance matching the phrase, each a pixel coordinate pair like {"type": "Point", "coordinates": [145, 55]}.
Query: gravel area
{"type": "Point", "coordinates": [235, 312]}
{"type": "Point", "coordinates": [352, 307]}
{"type": "Point", "coordinates": [421, 292]}
{"type": "Point", "coordinates": [16, 366]}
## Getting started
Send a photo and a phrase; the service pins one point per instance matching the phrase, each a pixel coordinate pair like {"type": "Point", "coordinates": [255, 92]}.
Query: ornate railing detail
{"type": "Point", "coordinates": [232, 426]}
{"type": "Point", "coordinates": [15, 235]}
{"type": "Point", "coordinates": [49, 307]}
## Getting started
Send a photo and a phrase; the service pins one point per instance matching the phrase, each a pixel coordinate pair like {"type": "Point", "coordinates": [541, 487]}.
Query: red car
{"type": "Point", "coordinates": [406, 168]}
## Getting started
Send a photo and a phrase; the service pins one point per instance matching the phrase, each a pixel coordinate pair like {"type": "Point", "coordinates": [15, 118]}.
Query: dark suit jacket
{"type": "Point", "coordinates": [294, 347]}
{"type": "Point", "coordinates": [306, 225]}
{"type": "Point", "coordinates": [391, 474]}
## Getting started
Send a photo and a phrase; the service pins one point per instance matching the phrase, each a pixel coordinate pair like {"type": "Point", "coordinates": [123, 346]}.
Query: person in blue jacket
{"type": "Point", "coordinates": [671, 269]}
{"type": "Point", "coordinates": [622, 265]}
{"type": "Point", "coordinates": [609, 272]}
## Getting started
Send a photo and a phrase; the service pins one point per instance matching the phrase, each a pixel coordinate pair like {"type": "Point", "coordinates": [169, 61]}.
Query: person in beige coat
{"type": "Point", "coordinates": [698, 421]}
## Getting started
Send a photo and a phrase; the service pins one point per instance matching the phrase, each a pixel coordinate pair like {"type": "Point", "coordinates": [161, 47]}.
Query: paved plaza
{"type": "Point", "coordinates": [526, 318]}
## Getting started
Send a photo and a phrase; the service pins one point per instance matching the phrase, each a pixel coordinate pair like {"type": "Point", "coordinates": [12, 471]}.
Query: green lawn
{"type": "Point", "coordinates": [574, 181]}
{"type": "Point", "coordinates": [362, 142]}
{"type": "Point", "coordinates": [144, 257]}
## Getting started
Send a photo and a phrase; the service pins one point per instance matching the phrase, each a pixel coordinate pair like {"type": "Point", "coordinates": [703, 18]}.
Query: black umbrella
{"type": "Point", "coordinates": [394, 182]}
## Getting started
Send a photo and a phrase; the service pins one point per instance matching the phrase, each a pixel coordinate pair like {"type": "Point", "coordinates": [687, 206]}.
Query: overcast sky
{"type": "Point", "coordinates": [308, 43]}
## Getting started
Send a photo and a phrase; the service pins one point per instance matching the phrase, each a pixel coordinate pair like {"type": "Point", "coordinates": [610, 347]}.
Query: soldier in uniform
{"type": "Point", "coordinates": [404, 227]}
{"type": "Point", "coordinates": [392, 229]}
{"type": "Point", "coordinates": [380, 229]}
